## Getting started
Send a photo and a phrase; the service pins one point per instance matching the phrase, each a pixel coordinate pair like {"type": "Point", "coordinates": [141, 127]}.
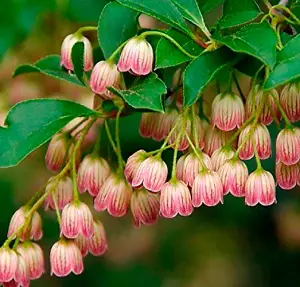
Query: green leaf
{"type": "Point", "coordinates": [288, 65]}
{"type": "Point", "coordinates": [208, 5]}
{"type": "Point", "coordinates": [50, 66]}
{"type": "Point", "coordinates": [77, 55]}
{"type": "Point", "coordinates": [146, 94]}
{"type": "Point", "coordinates": [32, 123]}
{"type": "Point", "coordinates": [116, 24]}
{"type": "Point", "coordinates": [167, 55]}
{"type": "Point", "coordinates": [202, 70]}
{"type": "Point", "coordinates": [258, 40]}
{"type": "Point", "coordinates": [163, 10]}
{"type": "Point", "coordinates": [190, 11]}
{"type": "Point", "coordinates": [238, 12]}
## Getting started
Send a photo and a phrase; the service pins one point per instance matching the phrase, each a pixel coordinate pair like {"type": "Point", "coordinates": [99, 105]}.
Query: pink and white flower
{"type": "Point", "coordinates": [214, 139]}
{"type": "Point", "coordinates": [175, 199]}
{"type": "Point", "coordinates": [192, 166]}
{"type": "Point", "coordinates": [34, 259]}
{"type": "Point", "coordinates": [92, 173]}
{"type": "Point", "coordinates": [152, 174]}
{"type": "Point", "coordinates": [286, 175]}
{"type": "Point", "coordinates": [34, 230]}
{"type": "Point", "coordinates": [259, 136]}
{"type": "Point", "coordinates": [148, 124]}
{"type": "Point", "coordinates": [290, 101]}
{"type": "Point", "coordinates": [114, 196]}
{"type": "Point", "coordinates": [105, 74]}
{"type": "Point", "coordinates": [97, 244]}
{"type": "Point", "coordinates": [77, 218]}
{"type": "Point", "coordinates": [220, 156]}
{"type": "Point", "coordinates": [260, 188]}
{"type": "Point", "coordinates": [233, 174]}
{"type": "Point", "coordinates": [207, 189]}
{"type": "Point", "coordinates": [8, 264]}
{"type": "Point", "coordinates": [66, 52]}
{"type": "Point", "coordinates": [144, 207]}
{"type": "Point", "coordinates": [65, 257]}
{"type": "Point", "coordinates": [256, 98]}
{"type": "Point", "coordinates": [133, 163]}
{"type": "Point", "coordinates": [136, 57]}
{"type": "Point", "coordinates": [57, 152]}
{"type": "Point", "coordinates": [288, 146]}
{"type": "Point", "coordinates": [227, 111]}
{"type": "Point", "coordinates": [61, 192]}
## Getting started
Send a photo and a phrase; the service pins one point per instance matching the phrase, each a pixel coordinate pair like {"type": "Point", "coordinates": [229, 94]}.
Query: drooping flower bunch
{"type": "Point", "coordinates": [211, 150]}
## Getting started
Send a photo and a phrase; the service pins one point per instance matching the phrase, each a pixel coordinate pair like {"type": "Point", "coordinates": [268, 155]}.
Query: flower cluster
{"type": "Point", "coordinates": [214, 147]}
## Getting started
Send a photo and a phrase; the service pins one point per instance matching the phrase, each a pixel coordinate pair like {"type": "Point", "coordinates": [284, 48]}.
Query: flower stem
{"type": "Point", "coordinates": [236, 134]}
{"type": "Point", "coordinates": [119, 151]}
{"type": "Point", "coordinates": [168, 137]}
{"type": "Point", "coordinates": [286, 119]}
{"type": "Point", "coordinates": [76, 126]}
{"type": "Point", "coordinates": [204, 166]}
{"type": "Point", "coordinates": [194, 127]}
{"type": "Point", "coordinates": [56, 209]}
{"type": "Point", "coordinates": [257, 159]}
{"type": "Point", "coordinates": [117, 51]}
{"type": "Point", "coordinates": [174, 42]}
{"type": "Point", "coordinates": [75, 152]}
{"type": "Point", "coordinates": [177, 142]}
{"type": "Point", "coordinates": [160, 149]}
{"type": "Point", "coordinates": [86, 29]}
{"type": "Point", "coordinates": [238, 85]}
{"type": "Point", "coordinates": [110, 138]}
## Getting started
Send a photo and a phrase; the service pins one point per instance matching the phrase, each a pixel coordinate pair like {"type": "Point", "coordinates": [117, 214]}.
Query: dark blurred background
{"type": "Point", "coordinates": [229, 245]}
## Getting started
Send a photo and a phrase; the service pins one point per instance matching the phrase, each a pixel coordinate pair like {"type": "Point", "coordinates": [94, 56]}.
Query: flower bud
{"type": "Point", "coordinates": [105, 74]}
{"type": "Point", "coordinates": [152, 174]}
{"type": "Point", "coordinates": [66, 52]}
{"type": "Point", "coordinates": [133, 163]}
{"type": "Point", "coordinates": [256, 98]}
{"type": "Point", "coordinates": [286, 175]}
{"type": "Point", "coordinates": [288, 146]}
{"type": "Point", "coordinates": [144, 207]}
{"type": "Point", "coordinates": [61, 191]}
{"type": "Point", "coordinates": [175, 199]}
{"type": "Point", "coordinates": [136, 57]}
{"type": "Point", "coordinates": [290, 101]}
{"type": "Point", "coordinates": [65, 257]}
{"type": "Point", "coordinates": [260, 188]}
{"type": "Point", "coordinates": [207, 189]}
{"type": "Point", "coordinates": [114, 196]}
{"type": "Point", "coordinates": [34, 259]}
{"type": "Point", "coordinates": [261, 138]}
{"type": "Point", "coordinates": [233, 175]}
{"type": "Point", "coordinates": [214, 139]}
{"type": "Point", "coordinates": [97, 244]}
{"type": "Point", "coordinates": [92, 173]}
{"type": "Point", "coordinates": [76, 218]}
{"type": "Point", "coordinates": [57, 152]}
{"type": "Point", "coordinates": [227, 111]}
{"type": "Point", "coordinates": [220, 156]}
{"type": "Point", "coordinates": [33, 231]}
{"type": "Point", "coordinates": [192, 166]}
{"type": "Point", "coordinates": [8, 264]}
